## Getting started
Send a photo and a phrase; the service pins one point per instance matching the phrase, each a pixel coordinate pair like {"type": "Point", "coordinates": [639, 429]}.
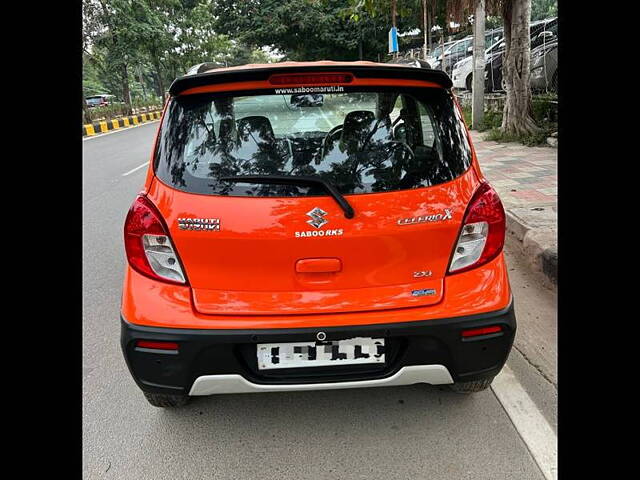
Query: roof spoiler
{"type": "Point", "coordinates": [203, 67]}
{"type": "Point", "coordinates": [198, 79]}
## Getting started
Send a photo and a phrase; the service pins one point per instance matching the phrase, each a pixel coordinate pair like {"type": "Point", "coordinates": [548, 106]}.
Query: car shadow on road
{"type": "Point", "coordinates": [358, 411]}
{"type": "Point", "coordinates": [415, 431]}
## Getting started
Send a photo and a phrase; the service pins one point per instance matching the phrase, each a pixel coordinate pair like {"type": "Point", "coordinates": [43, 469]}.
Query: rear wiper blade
{"type": "Point", "coordinates": [295, 180]}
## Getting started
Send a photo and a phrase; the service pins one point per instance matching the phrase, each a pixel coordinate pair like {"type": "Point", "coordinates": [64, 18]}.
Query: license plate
{"type": "Point", "coordinates": [354, 351]}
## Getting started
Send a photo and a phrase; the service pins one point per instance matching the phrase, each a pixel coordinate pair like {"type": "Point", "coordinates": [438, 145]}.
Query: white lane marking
{"type": "Point", "coordinates": [134, 169]}
{"type": "Point", "coordinates": [529, 422]}
{"type": "Point", "coordinates": [118, 130]}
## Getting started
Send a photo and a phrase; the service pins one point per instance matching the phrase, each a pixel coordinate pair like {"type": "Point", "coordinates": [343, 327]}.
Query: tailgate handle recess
{"type": "Point", "coordinates": [318, 265]}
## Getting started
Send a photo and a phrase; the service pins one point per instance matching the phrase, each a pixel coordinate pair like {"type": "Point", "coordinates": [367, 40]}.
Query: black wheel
{"type": "Point", "coordinates": [503, 85]}
{"type": "Point", "coordinates": [163, 400]}
{"type": "Point", "coordinates": [471, 387]}
{"type": "Point", "coordinates": [469, 82]}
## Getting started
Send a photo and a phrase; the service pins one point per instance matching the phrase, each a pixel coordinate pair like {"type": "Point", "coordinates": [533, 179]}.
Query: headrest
{"type": "Point", "coordinates": [355, 129]}
{"type": "Point", "coordinates": [257, 129]}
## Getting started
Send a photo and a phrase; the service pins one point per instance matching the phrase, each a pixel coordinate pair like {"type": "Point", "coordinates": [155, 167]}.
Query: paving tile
{"type": "Point", "coordinates": [528, 180]}
{"type": "Point", "coordinates": [504, 183]}
{"type": "Point", "coordinates": [520, 175]}
{"type": "Point", "coordinates": [523, 176]}
{"type": "Point", "coordinates": [532, 169]}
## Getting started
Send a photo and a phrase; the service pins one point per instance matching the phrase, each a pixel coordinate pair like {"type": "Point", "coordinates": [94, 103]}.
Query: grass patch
{"type": "Point", "coordinates": [118, 110]}
{"type": "Point", "coordinates": [544, 114]}
{"type": "Point", "coordinates": [492, 119]}
{"type": "Point", "coordinates": [531, 140]}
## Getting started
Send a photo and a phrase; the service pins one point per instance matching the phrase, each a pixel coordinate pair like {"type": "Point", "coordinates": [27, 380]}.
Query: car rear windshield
{"type": "Point", "coordinates": [361, 141]}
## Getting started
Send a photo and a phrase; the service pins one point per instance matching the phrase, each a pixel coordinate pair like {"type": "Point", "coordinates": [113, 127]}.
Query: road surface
{"type": "Point", "coordinates": [419, 431]}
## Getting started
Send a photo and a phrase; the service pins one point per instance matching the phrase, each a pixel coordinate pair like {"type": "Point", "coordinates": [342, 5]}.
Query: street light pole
{"type": "Point", "coordinates": [477, 95]}
{"type": "Point", "coordinates": [425, 28]}
{"type": "Point", "coordinates": [393, 20]}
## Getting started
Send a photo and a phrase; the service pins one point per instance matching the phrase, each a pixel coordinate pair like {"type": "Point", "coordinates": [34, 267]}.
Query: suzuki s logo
{"type": "Point", "coordinates": [318, 220]}
{"type": "Point", "coordinates": [317, 217]}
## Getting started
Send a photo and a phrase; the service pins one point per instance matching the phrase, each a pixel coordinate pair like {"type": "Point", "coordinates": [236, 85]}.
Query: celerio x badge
{"type": "Point", "coordinates": [427, 218]}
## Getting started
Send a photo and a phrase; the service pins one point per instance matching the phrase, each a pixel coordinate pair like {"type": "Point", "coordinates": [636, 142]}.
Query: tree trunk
{"type": "Point", "coordinates": [141, 78]}
{"type": "Point", "coordinates": [429, 27]}
{"type": "Point", "coordinates": [393, 13]}
{"type": "Point", "coordinates": [517, 118]}
{"type": "Point", "coordinates": [156, 66]}
{"type": "Point", "coordinates": [86, 116]}
{"type": "Point", "coordinates": [126, 92]}
{"type": "Point", "coordinates": [477, 95]}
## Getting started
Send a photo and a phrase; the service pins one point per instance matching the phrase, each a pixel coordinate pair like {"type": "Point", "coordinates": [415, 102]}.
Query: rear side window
{"type": "Point", "coordinates": [362, 141]}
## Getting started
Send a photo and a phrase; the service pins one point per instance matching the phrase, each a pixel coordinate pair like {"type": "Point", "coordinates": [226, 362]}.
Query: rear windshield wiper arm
{"type": "Point", "coordinates": [295, 180]}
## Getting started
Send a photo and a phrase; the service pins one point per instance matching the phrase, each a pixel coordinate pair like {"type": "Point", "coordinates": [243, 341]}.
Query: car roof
{"type": "Point", "coordinates": [262, 71]}
{"type": "Point", "coordinates": [547, 45]}
{"type": "Point", "coordinates": [414, 62]}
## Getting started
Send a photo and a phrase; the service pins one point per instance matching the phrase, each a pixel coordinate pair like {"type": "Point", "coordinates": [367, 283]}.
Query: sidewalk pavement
{"type": "Point", "coordinates": [526, 180]}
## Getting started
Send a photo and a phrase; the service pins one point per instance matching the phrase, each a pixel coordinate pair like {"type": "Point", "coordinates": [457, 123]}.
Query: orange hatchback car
{"type": "Point", "coordinates": [314, 225]}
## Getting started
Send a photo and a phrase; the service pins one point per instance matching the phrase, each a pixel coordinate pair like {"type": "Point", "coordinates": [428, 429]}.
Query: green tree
{"type": "Point", "coordinates": [115, 29]}
{"type": "Point", "coordinates": [302, 29]}
{"type": "Point", "coordinates": [541, 9]}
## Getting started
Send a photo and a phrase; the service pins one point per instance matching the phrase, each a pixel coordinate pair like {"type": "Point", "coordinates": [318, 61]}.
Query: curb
{"type": "Point", "coordinates": [90, 129]}
{"type": "Point", "coordinates": [537, 246]}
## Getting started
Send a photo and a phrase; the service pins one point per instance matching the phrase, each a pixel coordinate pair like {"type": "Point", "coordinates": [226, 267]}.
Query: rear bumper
{"type": "Point", "coordinates": [224, 361]}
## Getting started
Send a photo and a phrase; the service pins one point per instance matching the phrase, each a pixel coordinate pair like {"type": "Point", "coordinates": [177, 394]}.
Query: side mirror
{"type": "Point", "coordinates": [545, 34]}
{"type": "Point", "coordinates": [470, 50]}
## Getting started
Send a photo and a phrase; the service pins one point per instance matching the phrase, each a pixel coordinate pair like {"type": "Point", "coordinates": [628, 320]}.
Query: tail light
{"type": "Point", "coordinates": [310, 78]}
{"type": "Point", "coordinates": [148, 244]}
{"type": "Point", "coordinates": [153, 345]}
{"type": "Point", "coordinates": [482, 235]}
{"type": "Point", "coordinates": [480, 332]}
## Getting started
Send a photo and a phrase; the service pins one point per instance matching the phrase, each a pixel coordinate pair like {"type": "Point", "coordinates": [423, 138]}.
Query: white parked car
{"type": "Point", "coordinates": [462, 74]}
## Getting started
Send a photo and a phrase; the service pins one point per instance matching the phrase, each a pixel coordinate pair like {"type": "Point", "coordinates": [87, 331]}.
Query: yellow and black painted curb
{"type": "Point", "coordinates": [95, 128]}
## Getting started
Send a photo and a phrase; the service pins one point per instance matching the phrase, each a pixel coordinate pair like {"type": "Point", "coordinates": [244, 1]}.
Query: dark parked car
{"type": "Point", "coordinates": [544, 67]}
{"type": "Point", "coordinates": [542, 33]}
{"type": "Point", "coordinates": [100, 100]}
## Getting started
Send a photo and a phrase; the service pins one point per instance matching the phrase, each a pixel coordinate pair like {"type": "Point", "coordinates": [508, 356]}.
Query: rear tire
{"type": "Point", "coordinates": [471, 387]}
{"type": "Point", "coordinates": [163, 400]}
{"type": "Point", "coordinates": [469, 82]}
